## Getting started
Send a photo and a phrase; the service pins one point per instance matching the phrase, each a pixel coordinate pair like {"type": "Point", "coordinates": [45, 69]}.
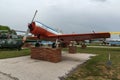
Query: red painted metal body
{"type": "Point", "coordinates": [44, 34]}
{"type": "Point", "coordinates": [39, 30]}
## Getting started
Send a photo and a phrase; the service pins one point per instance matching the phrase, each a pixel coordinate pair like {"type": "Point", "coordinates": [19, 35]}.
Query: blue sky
{"type": "Point", "coordinates": [79, 16]}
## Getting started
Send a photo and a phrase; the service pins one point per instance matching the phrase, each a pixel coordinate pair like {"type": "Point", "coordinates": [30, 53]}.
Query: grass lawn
{"type": "Point", "coordinates": [5, 53]}
{"type": "Point", "coordinates": [99, 67]}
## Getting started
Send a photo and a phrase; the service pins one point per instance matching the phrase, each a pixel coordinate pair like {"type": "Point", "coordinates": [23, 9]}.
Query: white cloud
{"type": "Point", "coordinates": [99, 0]}
{"type": "Point", "coordinates": [78, 16]}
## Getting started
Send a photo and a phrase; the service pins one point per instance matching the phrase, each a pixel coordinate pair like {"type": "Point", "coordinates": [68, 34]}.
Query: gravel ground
{"type": "Point", "coordinates": [25, 68]}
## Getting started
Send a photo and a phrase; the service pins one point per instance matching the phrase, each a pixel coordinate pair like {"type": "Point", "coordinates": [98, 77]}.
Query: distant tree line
{"type": "Point", "coordinates": [6, 29]}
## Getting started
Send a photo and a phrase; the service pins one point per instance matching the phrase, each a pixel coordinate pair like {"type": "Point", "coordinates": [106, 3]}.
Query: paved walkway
{"type": "Point", "coordinates": [25, 68]}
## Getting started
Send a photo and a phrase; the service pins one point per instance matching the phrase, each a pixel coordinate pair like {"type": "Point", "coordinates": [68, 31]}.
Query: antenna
{"type": "Point", "coordinates": [34, 16]}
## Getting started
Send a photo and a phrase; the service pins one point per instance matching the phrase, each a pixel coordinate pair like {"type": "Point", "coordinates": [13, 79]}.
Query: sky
{"type": "Point", "coordinates": [78, 16]}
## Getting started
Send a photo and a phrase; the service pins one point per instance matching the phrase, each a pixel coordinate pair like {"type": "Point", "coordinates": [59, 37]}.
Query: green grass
{"type": "Point", "coordinates": [97, 68]}
{"type": "Point", "coordinates": [5, 53]}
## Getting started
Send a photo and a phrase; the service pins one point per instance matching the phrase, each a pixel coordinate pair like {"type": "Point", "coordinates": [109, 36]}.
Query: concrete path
{"type": "Point", "coordinates": [25, 68]}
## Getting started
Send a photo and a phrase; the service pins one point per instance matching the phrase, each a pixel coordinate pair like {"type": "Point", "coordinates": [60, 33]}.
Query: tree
{"type": "Point", "coordinates": [4, 28]}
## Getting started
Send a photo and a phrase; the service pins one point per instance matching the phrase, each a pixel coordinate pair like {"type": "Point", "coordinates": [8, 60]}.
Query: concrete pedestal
{"type": "Point", "coordinates": [47, 54]}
